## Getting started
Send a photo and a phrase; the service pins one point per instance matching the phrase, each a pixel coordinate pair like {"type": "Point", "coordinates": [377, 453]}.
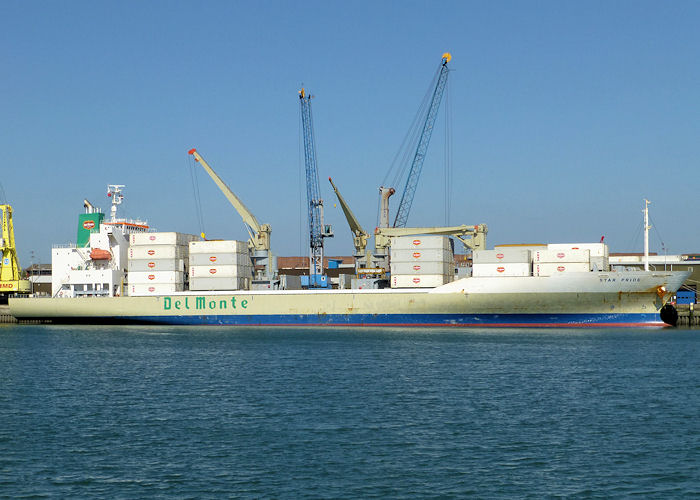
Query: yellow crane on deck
{"type": "Point", "coordinates": [10, 279]}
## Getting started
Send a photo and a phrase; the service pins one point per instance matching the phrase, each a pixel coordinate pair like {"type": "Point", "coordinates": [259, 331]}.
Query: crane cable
{"type": "Point", "coordinates": [303, 235]}
{"type": "Point", "coordinates": [402, 161]}
{"type": "Point", "coordinates": [195, 189]}
{"type": "Point", "coordinates": [410, 140]}
{"type": "Point", "coordinates": [448, 155]}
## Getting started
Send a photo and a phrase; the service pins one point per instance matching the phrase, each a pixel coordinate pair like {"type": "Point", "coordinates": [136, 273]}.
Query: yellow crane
{"type": "Point", "coordinates": [10, 280]}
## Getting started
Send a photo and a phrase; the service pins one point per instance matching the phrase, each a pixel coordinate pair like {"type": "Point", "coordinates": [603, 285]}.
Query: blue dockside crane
{"type": "Point", "coordinates": [317, 230]}
{"type": "Point", "coordinates": [417, 164]}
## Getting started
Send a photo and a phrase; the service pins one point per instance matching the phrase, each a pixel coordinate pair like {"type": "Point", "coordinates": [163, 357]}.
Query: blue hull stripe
{"type": "Point", "coordinates": [409, 319]}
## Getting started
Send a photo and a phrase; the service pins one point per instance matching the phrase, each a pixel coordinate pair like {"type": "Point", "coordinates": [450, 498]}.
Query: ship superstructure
{"type": "Point", "coordinates": [96, 264]}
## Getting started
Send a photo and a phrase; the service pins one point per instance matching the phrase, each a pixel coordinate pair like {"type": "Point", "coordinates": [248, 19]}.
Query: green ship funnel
{"type": "Point", "coordinates": [88, 223]}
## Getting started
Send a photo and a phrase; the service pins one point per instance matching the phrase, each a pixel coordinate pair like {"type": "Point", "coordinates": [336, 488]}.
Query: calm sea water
{"type": "Point", "coordinates": [147, 412]}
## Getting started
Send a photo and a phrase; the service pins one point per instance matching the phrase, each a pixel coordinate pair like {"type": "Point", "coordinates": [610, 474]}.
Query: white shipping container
{"type": "Point", "coordinates": [202, 284]}
{"type": "Point", "coordinates": [555, 268]}
{"type": "Point", "coordinates": [500, 256]}
{"type": "Point", "coordinates": [137, 277]}
{"type": "Point", "coordinates": [414, 268]}
{"type": "Point", "coordinates": [429, 255]}
{"type": "Point", "coordinates": [420, 242]}
{"type": "Point", "coordinates": [220, 271]}
{"type": "Point", "coordinates": [158, 252]}
{"type": "Point", "coordinates": [594, 249]}
{"type": "Point", "coordinates": [156, 265]}
{"type": "Point", "coordinates": [154, 288]}
{"type": "Point", "coordinates": [502, 269]}
{"type": "Point", "coordinates": [218, 246]}
{"type": "Point", "coordinates": [561, 256]}
{"type": "Point", "coordinates": [220, 259]}
{"type": "Point", "coordinates": [180, 239]}
{"type": "Point", "coordinates": [413, 281]}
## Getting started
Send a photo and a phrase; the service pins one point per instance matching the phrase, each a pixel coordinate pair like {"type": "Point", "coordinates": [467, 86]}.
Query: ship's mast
{"type": "Point", "coordinates": [646, 234]}
{"type": "Point", "coordinates": [114, 191]}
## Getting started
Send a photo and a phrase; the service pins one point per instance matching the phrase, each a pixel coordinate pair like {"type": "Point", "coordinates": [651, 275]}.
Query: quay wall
{"type": "Point", "coordinates": [688, 315]}
{"type": "Point", "coordinates": [5, 316]}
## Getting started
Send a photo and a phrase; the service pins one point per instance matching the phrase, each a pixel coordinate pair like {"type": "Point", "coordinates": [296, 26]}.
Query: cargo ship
{"type": "Point", "coordinates": [633, 298]}
{"type": "Point", "coordinates": [121, 271]}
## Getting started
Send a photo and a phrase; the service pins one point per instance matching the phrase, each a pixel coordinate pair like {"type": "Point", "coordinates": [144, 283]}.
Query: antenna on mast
{"type": "Point", "coordinates": [114, 191]}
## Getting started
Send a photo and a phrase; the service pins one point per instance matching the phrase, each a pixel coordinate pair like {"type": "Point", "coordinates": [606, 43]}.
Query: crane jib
{"type": "Point", "coordinates": [417, 164]}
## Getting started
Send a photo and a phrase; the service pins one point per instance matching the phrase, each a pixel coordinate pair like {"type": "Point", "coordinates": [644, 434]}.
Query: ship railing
{"type": "Point", "coordinates": [131, 223]}
{"type": "Point", "coordinates": [92, 293]}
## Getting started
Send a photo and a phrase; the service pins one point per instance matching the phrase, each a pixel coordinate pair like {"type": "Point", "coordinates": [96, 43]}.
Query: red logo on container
{"type": "Point", "coordinates": [151, 276]}
{"type": "Point", "coordinates": [151, 252]}
{"type": "Point", "coordinates": [416, 242]}
{"type": "Point", "coordinates": [152, 238]}
{"type": "Point", "coordinates": [212, 258]}
{"type": "Point", "coordinates": [560, 268]}
{"type": "Point", "coordinates": [416, 255]}
{"type": "Point", "coordinates": [88, 224]}
{"type": "Point", "coordinates": [212, 271]}
{"type": "Point", "coordinates": [151, 265]}
{"type": "Point", "coordinates": [561, 255]}
{"type": "Point", "coordinates": [416, 280]}
{"type": "Point", "coordinates": [416, 268]}
{"type": "Point", "coordinates": [500, 269]}
{"type": "Point", "coordinates": [151, 289]}
{"type": "Point", "coordinates": [499, 255]}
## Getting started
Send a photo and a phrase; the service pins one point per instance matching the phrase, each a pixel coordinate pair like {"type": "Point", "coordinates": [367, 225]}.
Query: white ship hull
{"type": "Point", "coordinates": [633, 298]}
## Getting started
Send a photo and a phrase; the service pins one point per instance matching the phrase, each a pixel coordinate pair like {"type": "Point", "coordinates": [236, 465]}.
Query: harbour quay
{"type": "Point", "coordinates": [688, 315]}
{"type": "Point", "coordinates": [5, 316]}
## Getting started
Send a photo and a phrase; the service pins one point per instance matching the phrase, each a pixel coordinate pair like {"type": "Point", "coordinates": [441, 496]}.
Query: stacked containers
{"type": "Point", "coordinates": [598, 252]}
{"type": "Point", "coordinates": [501, 262]}
{"type": "Point", "coordinates": [552, 262]}
{"type": "Point", "coordinates": [220, 265]}
{"type": "Point", "coordinates": [421, 261]}
{"type": "Point", "coordinates": [157, 262]}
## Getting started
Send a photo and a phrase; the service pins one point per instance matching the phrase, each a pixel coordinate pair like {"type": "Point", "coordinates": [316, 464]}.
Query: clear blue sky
{"type": "Point", "coordinates": [565, 115]}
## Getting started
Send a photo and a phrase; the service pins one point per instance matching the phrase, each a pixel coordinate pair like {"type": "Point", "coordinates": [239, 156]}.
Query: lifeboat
{"type": "Point", "coordinates": [99, 254]}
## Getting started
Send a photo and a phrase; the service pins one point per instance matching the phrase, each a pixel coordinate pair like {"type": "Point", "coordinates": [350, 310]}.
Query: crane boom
{"type": "Point", "coordinates": [354, 224]}
{"type": "Point", "coordinates": [259, 233]}
{"type": "Point", "coordinates": [359, 235]}
{"type": "Point", "coordinates": [417, 164]}
{"type": "Point", "coordinates": [317, 231]}
{"type": "Point", "coordinates": [472, 237]}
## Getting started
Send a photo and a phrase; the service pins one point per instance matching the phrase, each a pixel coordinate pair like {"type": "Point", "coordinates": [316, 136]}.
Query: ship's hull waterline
{"type": "Point", "coordinates": [578, 299]}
